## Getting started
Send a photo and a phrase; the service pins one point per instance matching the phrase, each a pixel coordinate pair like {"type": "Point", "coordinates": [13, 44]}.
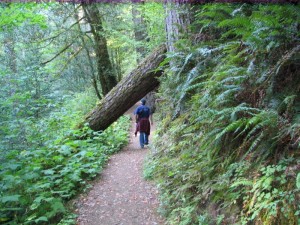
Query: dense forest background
{"type": "Point", "coordinates": [227, 146]}
{"type": "Point", "coordinates": [55, 59]}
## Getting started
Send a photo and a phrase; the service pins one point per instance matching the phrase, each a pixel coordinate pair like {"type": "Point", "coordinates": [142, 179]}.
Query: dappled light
{"type": "Point", "coordinates": [225, 99]}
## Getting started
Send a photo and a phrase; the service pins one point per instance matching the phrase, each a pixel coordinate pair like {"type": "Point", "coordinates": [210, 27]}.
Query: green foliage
{"type": "Point", "coordinates": [15, 14]}
{"type": "Point", "coordinates": [154, 15]}
{"type": "Point", "coordinates": [271, 191]}
{"type": "Point", "coordinates": [37, 192]}
{"type": "Point", "coordinates": [48, 72]}
{"type": "Point", "coordinates": [227, 151]}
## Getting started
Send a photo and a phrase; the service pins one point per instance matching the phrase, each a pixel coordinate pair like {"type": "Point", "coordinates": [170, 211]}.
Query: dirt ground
{"type": "Point", "coordinates": [121, 196]}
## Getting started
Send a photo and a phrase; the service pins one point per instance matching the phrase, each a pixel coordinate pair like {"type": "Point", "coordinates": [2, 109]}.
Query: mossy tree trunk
{"type": "Point", "coordinates": [128, 91]}
{"type": "Point", "coordinates": [106, 74]}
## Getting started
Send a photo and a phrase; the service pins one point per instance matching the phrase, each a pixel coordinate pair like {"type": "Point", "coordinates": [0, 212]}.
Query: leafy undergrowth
{"type": "Point", "coordinates": [228, 150]}
{"type": "Point", "coordinates": [36, 184]}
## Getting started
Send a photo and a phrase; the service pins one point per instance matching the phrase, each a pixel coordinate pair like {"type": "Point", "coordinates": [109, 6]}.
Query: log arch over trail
{"type": "Point", "coordinates": [128, 91]}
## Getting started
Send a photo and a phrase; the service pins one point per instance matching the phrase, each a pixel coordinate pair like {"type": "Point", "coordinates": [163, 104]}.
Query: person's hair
{"type": "Point", "coordinates": [143, 101]}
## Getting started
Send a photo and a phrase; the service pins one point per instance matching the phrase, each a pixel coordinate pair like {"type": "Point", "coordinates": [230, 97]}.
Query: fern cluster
{"type": "Point", "coordinates": [228, 150]}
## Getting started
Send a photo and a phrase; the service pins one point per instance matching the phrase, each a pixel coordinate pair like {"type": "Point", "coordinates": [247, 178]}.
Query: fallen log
{"type": "Point", "coordinates": [128, 91]}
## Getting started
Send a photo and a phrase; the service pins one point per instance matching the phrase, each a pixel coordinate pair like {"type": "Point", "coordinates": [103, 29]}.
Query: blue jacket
{"type": "Point", "coordinates": [143, 111]}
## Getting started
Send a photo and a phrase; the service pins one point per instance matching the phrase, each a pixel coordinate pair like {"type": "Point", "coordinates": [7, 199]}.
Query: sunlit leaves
{"type": "Point", "coordinates": [16, 14]}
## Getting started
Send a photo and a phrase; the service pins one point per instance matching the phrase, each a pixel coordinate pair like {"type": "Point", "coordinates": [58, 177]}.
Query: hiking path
{"type": "Point", "coordinates": [120, 196]}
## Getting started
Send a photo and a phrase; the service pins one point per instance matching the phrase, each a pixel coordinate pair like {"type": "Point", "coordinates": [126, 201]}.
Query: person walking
{"type": "Point", "coordinates": [142, 116]}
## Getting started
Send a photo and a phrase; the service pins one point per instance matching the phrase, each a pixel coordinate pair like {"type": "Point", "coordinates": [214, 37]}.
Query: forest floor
{"type": "Point", "coordinates": [120, 196]}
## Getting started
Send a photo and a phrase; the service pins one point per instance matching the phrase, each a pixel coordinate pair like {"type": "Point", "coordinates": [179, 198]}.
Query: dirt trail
{"type": "Point", "coordinates": [121, 196]}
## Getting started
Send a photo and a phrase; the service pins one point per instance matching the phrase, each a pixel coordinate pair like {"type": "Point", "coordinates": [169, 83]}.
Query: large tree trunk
{"type": "Point", "coordinates": [177, 21]}
{"type": "Point", "coordinates": [106, 73]}
{"type": "Point", "coordinates": [177, 24]}
{"type": "Point", "coordinates": [128, 91]}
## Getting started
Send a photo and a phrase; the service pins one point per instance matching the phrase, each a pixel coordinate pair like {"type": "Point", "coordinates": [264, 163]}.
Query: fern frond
{"type": "Point", "coordinates": [250, 123]}
{"type": "Point", "coordinates": [242, 182]}
{"type": "Point", "coordinates": [233, 127]}
{"type": "Point", "coordinates": [187, 59]}
{"type": "Point", "coordinates": [227, 94]}
{"type": "Point", "coordinates": [256, 142]}
{"type": "Point", "coordinates": [238, 21]}
{"type": "Point", "coordinates": [197, 85]}
{"type": "Point", "coordinates": [208, 51]}
{"type": "Point", "coordinates": [234, 79]}
{"type": "Point", "coordinates": [244, 109]}
{"type": "Point", "coordinates": [285, 60]}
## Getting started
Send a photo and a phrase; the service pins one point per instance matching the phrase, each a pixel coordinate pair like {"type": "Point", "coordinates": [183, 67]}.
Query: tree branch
{"type": "Point", "coordinates": [60, 52]}
{"type": "Point", "coordinates": [69, 59]}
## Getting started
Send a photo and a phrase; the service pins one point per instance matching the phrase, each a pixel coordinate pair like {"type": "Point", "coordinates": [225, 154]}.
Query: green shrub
{"type": "Point", "coordinates": [36, 184]}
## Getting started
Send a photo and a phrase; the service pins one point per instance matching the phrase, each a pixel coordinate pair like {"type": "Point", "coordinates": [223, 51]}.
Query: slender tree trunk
{"type": "Point", "coordinates": [106, 73]}
{"type": "Point", "coordinates": [140, 34]}
{"type": "Point", "coordinates": [116, 61]}
{"type": "Point", "coordinates": [128, 91]}
{"type": "Point", "coordinates": [93, 75]}
{"type": "Point", "coordinates": [11, 56]}
{"type": "Point", "coordinates": [11, 63]}
{"type": "Point", "coordinates": [140, 31]}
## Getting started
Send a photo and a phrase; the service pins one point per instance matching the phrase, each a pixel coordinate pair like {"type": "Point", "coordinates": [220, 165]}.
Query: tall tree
{"type": "Point", "coordinates": [22, 78]}
{"type": "Point", "coordinates": [140, 34]}
{"type": "Point", "coordinates": [177, 22]}
{"type": "Point", "coordinates": [142, 80]}
{"type": "Point", "coordinates": [140, 31]}
{"type": "Point", "coordinates": [88, 55]}
{"type": "Point", "coordinates": [106, 74]}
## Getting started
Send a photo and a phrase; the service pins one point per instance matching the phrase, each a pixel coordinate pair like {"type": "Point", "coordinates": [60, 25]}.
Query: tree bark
{"type": "Point", "coordinates": [106, 73]}
{"type": "Point", "coordinates": [177, 21]}
{"type": "Point", "coordinates": [128, 91]}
